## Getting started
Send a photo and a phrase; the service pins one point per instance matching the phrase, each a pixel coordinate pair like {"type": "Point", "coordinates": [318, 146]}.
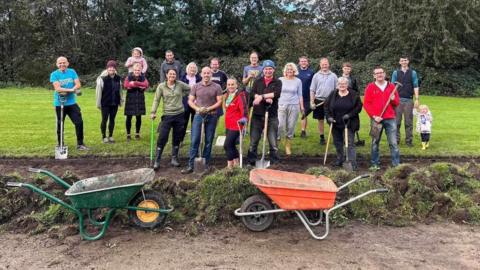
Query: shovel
{"type": "Point", "coordinates": [262, 163]}
{"type": "Point", "coordinates": [152, 132]}
{"type": "Point", "coordinates": [359, 142]}
{"type": "Point", "coordinates": [240, 152]}
{"type": "Point", "coordinates": [61, 151]}
{"type": "Point", "coordinates": [347, 165]}
{"type": "Point", "coordinates": [309, 110]}
{"type": "Point", "coordinates": [200, 164]}
{"type": "Point", "coordinates": [328, 142]}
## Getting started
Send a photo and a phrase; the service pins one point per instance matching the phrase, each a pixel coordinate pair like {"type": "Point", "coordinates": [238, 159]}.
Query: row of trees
{"type": "Point", "coordinates": [442, 36]}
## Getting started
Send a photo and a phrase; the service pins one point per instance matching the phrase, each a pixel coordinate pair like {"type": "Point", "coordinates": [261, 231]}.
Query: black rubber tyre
{"type": "Point", "coordinates": [144, 219]}
{"type": "Point", "coordinates": [257, 223]}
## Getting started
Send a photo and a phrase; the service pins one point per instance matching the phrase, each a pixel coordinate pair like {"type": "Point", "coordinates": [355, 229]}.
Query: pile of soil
{"type": "Point", "coordinates": [439, 191]}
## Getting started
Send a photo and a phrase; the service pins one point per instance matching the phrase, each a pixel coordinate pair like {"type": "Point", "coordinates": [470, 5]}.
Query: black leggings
{"type": "Point", "coordinates": [108, 114]}
{"type": "Point", "coordinates": [138, 123]}
{"type": "Point", "coordinates": [73, 111]}
{"type": "Point", "coordinates": [230, 144]}
{"type": "Point", "coordinates": [174, 122]}
{"type": "Point", "coordinates": [425, 137]}
{"type": "Point", "coordinates": [188, 117]}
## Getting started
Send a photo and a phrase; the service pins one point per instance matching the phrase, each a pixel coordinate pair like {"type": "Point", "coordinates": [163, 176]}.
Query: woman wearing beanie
{"type": "Point", "coordinates": [109, 97]}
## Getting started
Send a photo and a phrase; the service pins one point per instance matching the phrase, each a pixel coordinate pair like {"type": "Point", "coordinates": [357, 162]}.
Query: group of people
{"type": "Point", "coordinates": [265, 101]}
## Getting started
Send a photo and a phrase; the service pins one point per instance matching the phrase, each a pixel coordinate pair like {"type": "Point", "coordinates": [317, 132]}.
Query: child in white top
{"type": "Point", "coordinates": [137, 57]}
{"type": "Point", "coordinates": [424, 124]}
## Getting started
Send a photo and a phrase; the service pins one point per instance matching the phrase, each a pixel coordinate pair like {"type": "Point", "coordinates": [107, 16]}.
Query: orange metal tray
{"type": "Point", "coordinates": [295, 191]}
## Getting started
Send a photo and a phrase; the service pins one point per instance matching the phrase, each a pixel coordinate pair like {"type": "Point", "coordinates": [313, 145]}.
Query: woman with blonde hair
{"type": "Point", "coordinates": [191, 77]}
{"type": "Point", "coordinates": [290, 104]}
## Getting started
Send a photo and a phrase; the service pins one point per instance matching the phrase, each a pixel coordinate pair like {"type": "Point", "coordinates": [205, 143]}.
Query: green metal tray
{"type": "Point", "coordinates": [111, 190]}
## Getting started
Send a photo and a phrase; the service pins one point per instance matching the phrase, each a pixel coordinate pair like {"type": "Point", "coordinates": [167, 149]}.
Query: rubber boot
{"type": "Point", "coordinates": [424, 145]}
{"type": "Point", "coordinates": [158, 156]}
{"type": "Point", "coordinates": [174, 161]}
{"type": "Point", "coordinates": [288, 146]}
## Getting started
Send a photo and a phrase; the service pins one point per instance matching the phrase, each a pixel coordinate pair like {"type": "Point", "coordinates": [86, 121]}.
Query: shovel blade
{"type": "Point", "coordinates": [347, 166]}
{"type": "Point", "coordinates": [200, 165]}
{"type": "Point", "coordinates": [220, 140]}
{"type": "Point", "coordinates": [262, 164]}
{"type": "Point", "coordinates": [61, 152]}
{"type": "Point", "coordinates": [360, 143]}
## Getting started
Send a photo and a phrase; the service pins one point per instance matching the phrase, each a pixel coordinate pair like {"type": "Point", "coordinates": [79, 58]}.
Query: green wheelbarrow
{"type": "Point", "coordinates": [123, 190]}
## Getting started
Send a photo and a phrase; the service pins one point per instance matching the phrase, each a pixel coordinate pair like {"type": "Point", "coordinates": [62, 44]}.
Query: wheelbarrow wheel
{"type": "Point", "coordinates": [145, 219]}
{"type": "Point", "coordinates": [261, 222]}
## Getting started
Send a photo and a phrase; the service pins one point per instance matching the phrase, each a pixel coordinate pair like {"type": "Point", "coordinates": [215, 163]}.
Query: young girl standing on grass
{"type": "Point", "coordinates": [137, 57]}
{"type": "Point", "coordinates": [424, 124]}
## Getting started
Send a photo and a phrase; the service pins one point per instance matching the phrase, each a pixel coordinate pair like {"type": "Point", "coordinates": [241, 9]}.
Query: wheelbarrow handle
{"type": "Point", "coordinates": [51, 175]}
{"type": "Point", "coordinates": [35, 170]}
{"type": "Point", "coordinates": [363, 176]}
{"type": "Point", "coordinates": [381, 190]}
{"type": "Point", "coordinates": [14, 184]}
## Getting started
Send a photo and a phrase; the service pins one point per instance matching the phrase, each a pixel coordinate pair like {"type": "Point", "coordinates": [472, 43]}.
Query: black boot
{"type": "Point", "coordinates": [156, 166]}
{"type": "Point", "coordinates": [174, 161]}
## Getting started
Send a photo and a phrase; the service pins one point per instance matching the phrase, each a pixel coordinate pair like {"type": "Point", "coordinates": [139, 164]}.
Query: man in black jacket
{"type": "Point", "coordinates": [266, 91]}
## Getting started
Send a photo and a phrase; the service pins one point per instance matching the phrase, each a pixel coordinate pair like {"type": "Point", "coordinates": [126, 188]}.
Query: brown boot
{"type": "Point", "coordinates": [288, 146]}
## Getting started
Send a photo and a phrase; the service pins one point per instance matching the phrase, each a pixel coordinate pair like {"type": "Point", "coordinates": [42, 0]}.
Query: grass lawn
{"type": "Point", "coordinates": [27, 128]}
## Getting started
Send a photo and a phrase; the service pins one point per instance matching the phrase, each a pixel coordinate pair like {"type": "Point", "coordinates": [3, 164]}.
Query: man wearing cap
{"type": "Point", "coordinates": [109, 97]}
{"type": "Point", "coordinates": [205, 97]}
{"type": "Point", "coordinates": [67, 85]}
{"type": "Point", "coordinates": [266, 92]}
{"type": "Point", "coordinates": [170, 63]}
{"type": "Point", "coordinates": [323, 83]}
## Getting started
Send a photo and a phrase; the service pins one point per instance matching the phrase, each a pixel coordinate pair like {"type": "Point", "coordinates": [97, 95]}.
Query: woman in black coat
{"type": "Point", "coordinates": [342, 108]}
{"type": "Point", "coordinates": [136, 84]}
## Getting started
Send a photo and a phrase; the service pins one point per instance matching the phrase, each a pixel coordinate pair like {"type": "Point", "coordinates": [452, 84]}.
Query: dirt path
{"type": "Point", "coordinates": [286, 246]}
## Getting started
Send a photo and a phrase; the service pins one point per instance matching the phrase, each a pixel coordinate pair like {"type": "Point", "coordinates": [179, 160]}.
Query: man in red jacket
{"type": "Point", "coordinates": [377, 94]}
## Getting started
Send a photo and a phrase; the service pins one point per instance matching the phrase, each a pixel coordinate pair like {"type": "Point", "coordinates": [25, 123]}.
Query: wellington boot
{"type": "Point", "coordinates": [424, 145]}
{"type": "Point", "coordinates": [158, 157]}
{"type": "Point", "coordinates": [288, 147]}
{"type": "Point", "coordinates": [174, 161]}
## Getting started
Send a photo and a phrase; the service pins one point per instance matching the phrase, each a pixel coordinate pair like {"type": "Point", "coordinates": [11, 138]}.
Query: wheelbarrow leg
{"type": "Point", "coordinates": [85, 235]}
{"type": "Point", "coordinates": [308, 224]}
{"type": "Point", "coordinates": [316, 223]}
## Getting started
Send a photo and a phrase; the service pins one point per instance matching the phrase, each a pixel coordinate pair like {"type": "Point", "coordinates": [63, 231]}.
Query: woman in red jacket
{"type": "Point", "coordinates": [236, 114]}
{"type": "Point", "coordinates": [136, 84]}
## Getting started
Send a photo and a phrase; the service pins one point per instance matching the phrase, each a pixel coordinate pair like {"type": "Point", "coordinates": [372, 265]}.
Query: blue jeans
{"type": "Point", "coordinates": [210, 123]}
{"type": "Point", "coordinates": [390, 127]}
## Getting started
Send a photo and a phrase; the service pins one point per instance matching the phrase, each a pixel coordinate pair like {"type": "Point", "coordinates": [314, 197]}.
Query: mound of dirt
{"type": "Point", "coordinates": [440, 191]}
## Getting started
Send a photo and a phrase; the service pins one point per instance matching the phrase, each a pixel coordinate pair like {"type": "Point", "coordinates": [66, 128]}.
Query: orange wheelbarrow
{"type": "Point", "coordinates": [293, 192]}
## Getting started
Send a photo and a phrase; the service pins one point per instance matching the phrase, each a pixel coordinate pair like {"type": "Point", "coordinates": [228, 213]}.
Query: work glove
{"type": "Point", "coordinates": [242, 121]}
{"type": "Point", "coordinates": [330, 120]}
{"type": "Point", "coordinates": [392, 96]}
{"type": "Point", "coordinates": [346, 117]}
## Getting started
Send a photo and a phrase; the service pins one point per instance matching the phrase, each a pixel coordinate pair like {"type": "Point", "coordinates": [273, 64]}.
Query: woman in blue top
{"type": "Point", "coordinates": [290, 104]}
